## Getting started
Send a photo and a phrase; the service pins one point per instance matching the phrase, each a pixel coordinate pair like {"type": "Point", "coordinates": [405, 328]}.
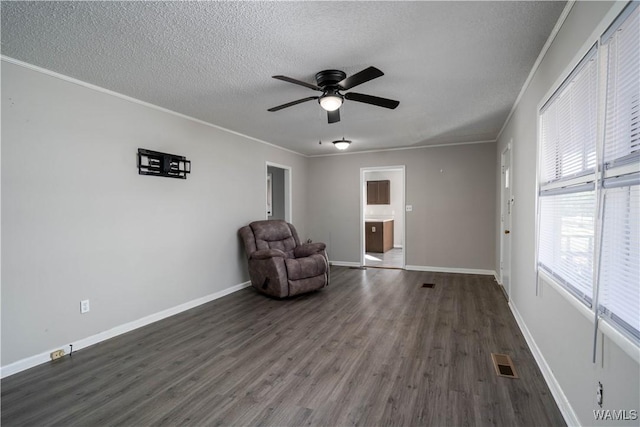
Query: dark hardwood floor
{"type": "Point", "coordinates": [374, 348]}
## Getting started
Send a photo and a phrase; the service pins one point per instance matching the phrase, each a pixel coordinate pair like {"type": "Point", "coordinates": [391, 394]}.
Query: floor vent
{"type": "Point", "coordinates": [357, 268]}
{"type": "Point", "coordinates": [504, 365]}
{"type": "Point", "coordinates": [428, 285]}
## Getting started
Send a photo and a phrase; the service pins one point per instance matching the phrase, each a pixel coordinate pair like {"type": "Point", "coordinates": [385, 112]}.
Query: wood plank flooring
{"type": "Point", "coordinates": [375, 348]}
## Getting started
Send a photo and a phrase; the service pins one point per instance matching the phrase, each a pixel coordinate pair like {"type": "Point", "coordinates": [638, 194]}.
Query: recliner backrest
{"type": "Point", "coordinates": [273, 234]}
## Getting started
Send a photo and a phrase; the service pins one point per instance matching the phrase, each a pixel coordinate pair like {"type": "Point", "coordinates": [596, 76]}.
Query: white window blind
{"type": "Point", "coordinates": [568, 125]}
{"type": "Point", "coordinates": [619, 274]}
{"type": "Point", "coordinates": [619, 299]}
{"type": "Point", "coordinates": [622, 119]}
{"type": "Point", "coordinates": [566, 240]}
{"type": "Point", "coordinates": [567, 210]}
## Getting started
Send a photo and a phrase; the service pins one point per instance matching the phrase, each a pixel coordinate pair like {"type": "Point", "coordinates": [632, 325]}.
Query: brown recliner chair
{"type": "Point", "coordinates": [278, 264]}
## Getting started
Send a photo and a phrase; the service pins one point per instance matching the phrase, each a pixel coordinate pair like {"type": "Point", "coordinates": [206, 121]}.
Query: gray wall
{"type": "Point", "coordinates": [78, 222]}
{"type": "Point", "coordinates": [562, 334]}
{"type": "Point", "coordinates": [453, 196]}
{"type": "Point", "coordinates": [277, 196]}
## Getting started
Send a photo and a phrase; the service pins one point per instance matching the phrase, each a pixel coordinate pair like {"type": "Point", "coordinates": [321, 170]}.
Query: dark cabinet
{"type": "Point", "coordinates": [378, 236]}
{"type": "Point", "coordinates": [379, 192]}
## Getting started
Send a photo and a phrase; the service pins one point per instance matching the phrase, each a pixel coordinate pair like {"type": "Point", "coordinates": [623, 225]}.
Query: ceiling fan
{"type": "Point", "coordinates": [330, 83]}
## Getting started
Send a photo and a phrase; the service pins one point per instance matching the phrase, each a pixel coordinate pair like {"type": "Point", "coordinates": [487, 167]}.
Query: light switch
{"type": "Point", "coordinates": [373, 229]}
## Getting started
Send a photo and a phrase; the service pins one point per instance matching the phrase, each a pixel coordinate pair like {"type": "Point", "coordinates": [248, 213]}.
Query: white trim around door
{"type": "Point", "coordinates": [288, 206]}
{"type": "Point", "coordinates": [363, 192]}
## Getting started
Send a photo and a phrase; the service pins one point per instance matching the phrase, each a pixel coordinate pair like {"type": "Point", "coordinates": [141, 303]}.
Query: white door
{"type": "Point", "coordinates": [505, 220]}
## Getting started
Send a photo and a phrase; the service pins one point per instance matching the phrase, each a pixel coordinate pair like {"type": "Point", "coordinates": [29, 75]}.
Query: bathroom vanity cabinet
{"type": "Point", "coordinates": [378, 235]}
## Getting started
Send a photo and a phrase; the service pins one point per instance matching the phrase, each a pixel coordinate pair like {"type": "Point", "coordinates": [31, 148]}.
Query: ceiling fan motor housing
{"type": "Point", "coordinates": [329, 78]}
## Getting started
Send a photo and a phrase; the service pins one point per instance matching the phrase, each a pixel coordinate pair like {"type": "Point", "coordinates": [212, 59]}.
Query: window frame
{"type": "Point", "coordinates": [574, 182]}
{"type": "Point", "coordinates": [621, 171]}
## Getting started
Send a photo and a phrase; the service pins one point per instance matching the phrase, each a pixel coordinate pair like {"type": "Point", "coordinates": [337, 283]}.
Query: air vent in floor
{"type": "Point", "coordinates": [428, 285]}
{"type": "Point", "coordinates": [504, 365]}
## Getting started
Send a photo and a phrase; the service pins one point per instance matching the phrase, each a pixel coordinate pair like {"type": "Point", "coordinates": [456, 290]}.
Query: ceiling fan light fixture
{"type": "Point", "coordinates": [342, 144]}
{"type": "Point", "coordinates": [330, 101]}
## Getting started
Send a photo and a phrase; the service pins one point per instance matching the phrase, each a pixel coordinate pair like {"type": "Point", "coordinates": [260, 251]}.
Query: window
{"type": "Point", "coordinates": [619, 275]}
{"type": "Point", "coordinates": [589, 184]}
{"type": "Point", "coordinates": [619, 294]}
{"type": "Point", "coordinates": [566, 240]}
{"type": "Point", "coordinates": [567, 197]}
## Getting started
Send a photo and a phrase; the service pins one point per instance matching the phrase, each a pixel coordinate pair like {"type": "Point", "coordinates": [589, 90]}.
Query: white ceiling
{"type": "Point", "coordinates": [455, 67]}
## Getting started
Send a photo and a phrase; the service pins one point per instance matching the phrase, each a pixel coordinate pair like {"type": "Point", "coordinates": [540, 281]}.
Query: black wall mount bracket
{"type": "Point", "coordinates": [162, 164]}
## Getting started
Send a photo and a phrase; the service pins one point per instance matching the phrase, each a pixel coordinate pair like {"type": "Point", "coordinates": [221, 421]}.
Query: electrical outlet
{"type": "Point", "coordinates": [599, 394]}
{"type": "Point", "coordinates": [84, 306]}
{"type": "Point", "coordinates": [56, 354]}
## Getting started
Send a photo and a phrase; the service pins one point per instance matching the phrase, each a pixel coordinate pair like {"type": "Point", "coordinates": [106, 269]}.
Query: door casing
{"type": "Point", "coordinates": [288, 210]}
{"type": "Point", "coordinates": [363, 193]}
{"type": "Point", "coordinates": [506, 206]}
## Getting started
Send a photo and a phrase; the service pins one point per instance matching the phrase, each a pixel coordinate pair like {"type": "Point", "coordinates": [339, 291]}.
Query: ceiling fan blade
{"type": "Point", "coordinates": [359, 78]}
{"type": "Point", "coordinates": [297, 82]}
{"type": "Point", "coordinates": [333, 116]}
{"type": "Point", "coordinates": [373, 100]}
{"type": "Point", "coordinates": [289, 104]}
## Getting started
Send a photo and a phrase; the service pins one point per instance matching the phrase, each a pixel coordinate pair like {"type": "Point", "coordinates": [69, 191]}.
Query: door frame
{"type": "Point", "coordinates": [363, 192]}
{"type": "Point", "coordinates": [288, 206]}
{"type": "Point", "coordinates": [507, 154]}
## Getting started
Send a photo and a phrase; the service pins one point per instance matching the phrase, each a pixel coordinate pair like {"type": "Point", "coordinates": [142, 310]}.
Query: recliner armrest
{"type": "Point", "coordinates": [307, 249]}
{"type": "Point", "coordinates": [267, 253]}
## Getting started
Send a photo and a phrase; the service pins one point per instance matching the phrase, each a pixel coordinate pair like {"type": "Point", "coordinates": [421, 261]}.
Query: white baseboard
{"type": "Point", "coordinates": [565, 407]}
{"type": "Point", "coordinates": [344, 263]}
{"type": "Point", "coordinates": [397, 246]}
{"type": "Point", "coordinates": [426, 268]}
{"type": "Point", "coordinates": [450, 270]}
{"type": "Point", "coordinates": [30, 362]}
{"type": "Point", "coordinates": [498, 279]}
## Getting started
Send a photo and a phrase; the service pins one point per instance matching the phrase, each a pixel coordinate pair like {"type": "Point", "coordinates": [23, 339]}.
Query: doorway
{"type": "Point", "coordinates": [382, 217]}
{"type": "Point", "coordinates": [506, 204]}
{"type": "Point", "coordinates": [278, 179]}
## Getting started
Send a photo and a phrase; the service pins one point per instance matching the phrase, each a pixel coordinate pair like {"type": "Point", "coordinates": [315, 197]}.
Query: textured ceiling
{"type": "Point", "coordinates": [455, 67]}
